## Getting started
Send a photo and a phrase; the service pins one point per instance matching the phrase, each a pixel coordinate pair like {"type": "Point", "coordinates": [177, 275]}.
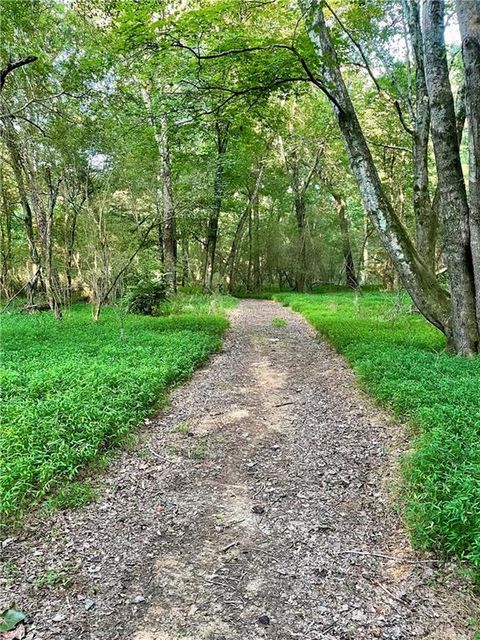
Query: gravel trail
{"type": "Point", "coordinates": [258, 505]}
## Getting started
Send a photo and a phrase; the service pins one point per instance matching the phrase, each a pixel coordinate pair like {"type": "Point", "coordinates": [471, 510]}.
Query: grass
{"type": "Point", "coordinates": [74, 389]}
{"type": "Point", "coordinates": [401, 361]}
{"type": "Point", "coordinates": [279, 322]}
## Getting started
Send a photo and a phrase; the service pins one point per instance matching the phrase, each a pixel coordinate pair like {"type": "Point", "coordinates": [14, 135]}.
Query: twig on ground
{"type": "Point", "coordinates": [382, 555]}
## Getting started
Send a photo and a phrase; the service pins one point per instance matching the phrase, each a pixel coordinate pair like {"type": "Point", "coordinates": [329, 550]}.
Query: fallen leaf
{"type": "Point", "coordinates": [10, 619]}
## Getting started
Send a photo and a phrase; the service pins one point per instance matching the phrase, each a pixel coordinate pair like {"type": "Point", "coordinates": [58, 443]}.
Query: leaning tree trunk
{"type": "Point", "coordinates": [453, 203]}
{"type": "Point", "coordinates": [469, 19]}
{"type": "Point", "coordinates": [213, 220]}
{"type": "Point", "coordinates": [420, 282]}
{"type": "Point", "coordinates": [425, 219]}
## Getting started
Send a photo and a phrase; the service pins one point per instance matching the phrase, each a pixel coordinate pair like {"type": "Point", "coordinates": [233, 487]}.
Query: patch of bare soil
{"type": "Point", "coordinates": [256, 507]}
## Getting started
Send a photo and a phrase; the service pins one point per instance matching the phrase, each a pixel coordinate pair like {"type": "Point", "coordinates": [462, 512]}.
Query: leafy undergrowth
{"type": "Point", "coordinates": [73, 389]}
{"type": "Point", "coordinates": [401, 360]}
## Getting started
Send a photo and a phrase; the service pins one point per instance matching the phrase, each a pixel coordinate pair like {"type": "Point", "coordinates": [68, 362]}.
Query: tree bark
{"type": "Point", "coordinates": [5, 239]}
{"type": "Point", "coordinates": [218, 191]}
{"type": "Point", "coordinates": [237, 239]}
{"type": "Point", "coordinates": [9, 135]}
{"type": "Point", "coordinates": [169, 221]}
{"type": "Point", "coordinates": [425, 220]}
{"type": "Point", "coordinates": [300, 186]}
{"type": "Point", "coordinates": [469, 20]}
{"type": "Point", "coordinates": [419, 281]}
{"type": "Point", "coordinates": [348, 263]}
{"type": "Point", "coordinates": [167, 230]}
{"type": "Point", "coordinates": [453, 203]}
{"type": "Point", "coordinates": [11, 66]}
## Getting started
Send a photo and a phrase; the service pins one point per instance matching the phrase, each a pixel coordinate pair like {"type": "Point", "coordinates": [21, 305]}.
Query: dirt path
{"type": "Point", "coordinates": [260, 495]}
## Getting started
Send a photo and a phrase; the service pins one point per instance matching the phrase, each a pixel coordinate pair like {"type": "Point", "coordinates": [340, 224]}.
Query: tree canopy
{"type": "Point", "coordinates": [242, 146]}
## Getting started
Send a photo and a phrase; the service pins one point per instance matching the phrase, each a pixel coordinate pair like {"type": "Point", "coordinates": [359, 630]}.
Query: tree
{"type": "Point", "coordinates": [454, 320]}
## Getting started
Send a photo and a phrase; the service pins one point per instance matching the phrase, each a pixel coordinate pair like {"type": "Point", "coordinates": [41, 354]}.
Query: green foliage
{"type": "Point", "coordinates": [279, 322]}
{"type": "Point", "coordinates": [184, 428]}
{"type": "Point", "coordinates": [73, 389]}
{"type": "Point", "coordinates": [10, 618]}
{"type": "Point", "coordinates": [402, 361]}
{"type": "Point", "coordinates": [71, 496]}
{"type": "Point", "coordinates": [145, 296]}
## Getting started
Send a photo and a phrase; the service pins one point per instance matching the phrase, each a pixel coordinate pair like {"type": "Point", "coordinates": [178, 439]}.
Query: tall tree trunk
{"type": "Point", "coordinates": [169, 222]}
{"type": "Point", "coordinates": [44, 214]}
{"type": "Point", "coordinates": [469, 20]}
{"type": "Point", "coordinates": [218, 190]}
{"type": "Point", "coordinates": [256, 265]}
{"type": "Point", "coordinates": [453, 203]}
{"type": "Point", "coordinates": [5, 239]}
{"type": "Point", "coordinates": [301, 276]}
{"type": "Point", "coordinates": [70, 246]}
{"type": "Point", "coordinates": [11, 140]}
{"type": "Point", "coordinates": [167, 235]}
{"type": "Point", "coordinates": [299, 187]}
{"type": "Point", "coordinates": [185, 260]}
{"type": "Point", "coordinates": [349, 266]}
{"type": "Point", "coordinates": [419, 281]}
{"type": "Point", "coordinates": [425, 220]}
{"type": "Point", "coordinates": [237, 239]}
{"type": "Point", "coordinates": [363, 260]}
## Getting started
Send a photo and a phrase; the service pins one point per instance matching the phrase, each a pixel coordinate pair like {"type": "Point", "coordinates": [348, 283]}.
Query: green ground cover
{"type": "Point", "coordinates": [401, 360]}
{"type": "Point", "coordinates": [73, 389]}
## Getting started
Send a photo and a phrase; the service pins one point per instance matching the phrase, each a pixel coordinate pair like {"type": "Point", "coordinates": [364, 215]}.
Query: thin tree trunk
{"type": "Point", "coordinates": [453, 203]}
{"type": "Point", "coordinates": [10, 137]}
{"type": "Point", "coordinates": [218, 190]}
{"type": "Point", "coordinates": [469, 20]}
{"type": "Point", "coordinates": [301, 277]}
{"type": "Point", "coordinates": [257, 272]}
{"type": "Point", "coordinates": [237, 239]}
{"type": "Point", "coordinates": [185, 261]}
{"type": "Point", "coordinates": [167, 235]}
{"type": "Point", "coordinates": [349, 266]}
{"type": "Point", "coordinates": [425, 220]}
{"type": "Point", "coordinates": [70, 246]}
{"type": "Point", "coordinates": [169, 221]}
{"type": "Point", "coordinates": [419, 281]}
{"type": "Point", "coordinates": [5, 239]}
{"type": "Point", "coordinates": [299, 187]}
{"type": "Point", "coordinates": [250, 252]}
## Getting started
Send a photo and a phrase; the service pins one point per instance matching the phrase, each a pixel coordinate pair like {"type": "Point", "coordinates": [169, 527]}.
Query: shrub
{"type": "Point", "coordinates": [145, 296]}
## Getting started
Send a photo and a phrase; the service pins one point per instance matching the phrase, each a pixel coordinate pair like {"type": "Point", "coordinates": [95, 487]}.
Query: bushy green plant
{"type": "Point", "coordinates": [145, 296]}
{"type": "Point", "coordinates": [73, 389]}
{"type": "Point", "coordinates": [402, 361]}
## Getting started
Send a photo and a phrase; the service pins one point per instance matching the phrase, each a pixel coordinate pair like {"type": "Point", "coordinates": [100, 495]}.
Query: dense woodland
{"type": "Point", "coordinates": [242, 146]}
{"type": "Point", "coordinates": [159, 161]}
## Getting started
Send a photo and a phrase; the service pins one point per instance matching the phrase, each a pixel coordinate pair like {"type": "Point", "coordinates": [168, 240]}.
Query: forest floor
{"type": "Point", "coordinates": [258, 505]}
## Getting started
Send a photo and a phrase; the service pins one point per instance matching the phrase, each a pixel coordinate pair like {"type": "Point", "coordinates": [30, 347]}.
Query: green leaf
{"type": "Point", "coordinates": [10, 619]}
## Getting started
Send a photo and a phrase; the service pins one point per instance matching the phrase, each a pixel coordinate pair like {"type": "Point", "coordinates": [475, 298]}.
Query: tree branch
{"type": "Point", "coordinates": [221, 54]}
{"type": "Point", "coordinates": [11, 66]}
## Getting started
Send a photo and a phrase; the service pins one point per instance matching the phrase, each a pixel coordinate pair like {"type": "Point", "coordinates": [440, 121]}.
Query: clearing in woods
{"type": "Point", "coordinates": [256, 506]}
